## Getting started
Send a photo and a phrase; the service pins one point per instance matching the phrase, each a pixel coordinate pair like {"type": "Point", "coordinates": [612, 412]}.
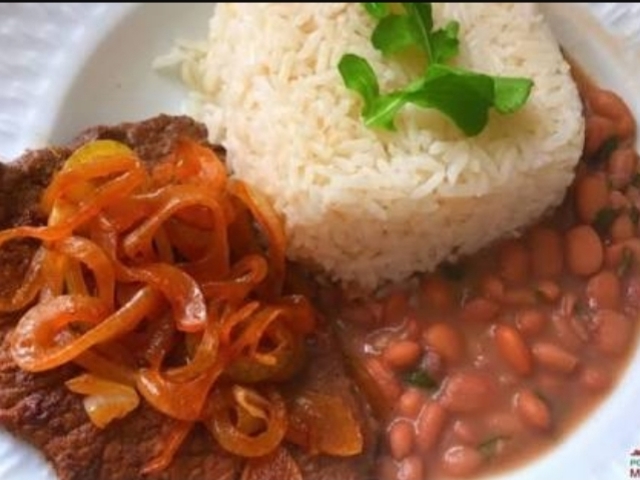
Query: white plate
{"type": "Point", "coordinates": [64, 67]}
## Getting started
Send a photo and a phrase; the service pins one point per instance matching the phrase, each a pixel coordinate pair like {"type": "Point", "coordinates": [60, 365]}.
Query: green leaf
{"type": "Point", "coordinates": [420, 379]}
{"type": "Point", "coordinates": [384, 109]}
{"type": "Point", "coordinates": [358, 76]}
{"type": "Point", "coordinates": [444, 42]}
{"type": "Point", "coordinates": [510, 94]}
{"type": "Point", "coordinates": [377, 10]}
{"type": "Point", "coordinates": [464, 97]}
{"type": "Point", "coordinates": [420, 16]}
{"type": "Point", "coordinates": [393, 34]}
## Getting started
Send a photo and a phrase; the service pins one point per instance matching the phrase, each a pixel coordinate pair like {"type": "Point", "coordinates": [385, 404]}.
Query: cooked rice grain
{"type": "Point", "coordinates": [371, 206]}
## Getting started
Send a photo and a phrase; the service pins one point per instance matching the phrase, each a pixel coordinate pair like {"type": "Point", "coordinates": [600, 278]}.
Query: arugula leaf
{"type": "Point", "coordinates": [604, 219]}
{"type": "Point", "coordinates": [358, 76]}
{"type": "Point", "coordinates": [377, 10]}
{"type": "Point", "coordinates": [445, 42]}
{"type": "Point", "coordinates": [394, 34]}
{"type": "Point", "coordinates": [465, 97]}
{"type": "Point", "coordinates": [511, 93]}
{"type": "Point", "coordinates": [626, 262]}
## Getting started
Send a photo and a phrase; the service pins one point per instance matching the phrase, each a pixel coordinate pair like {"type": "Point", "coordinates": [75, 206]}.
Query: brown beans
{"type": "Point", "coordinates": [479, 310]}
{"type": "Point", "coordinates": [410, 403]}
{"type": "Point", "coordinates": [468, 392]}
{"type": "Point", "coordinates": [610, 105]}
{"type": "Point", "coordinates": [546, 252]}
{"type": "Point", "coordinates": [438, 293]}
{"type": "Point", "coordinates": [445, 340]}
{"type": "Point", "coordinates": [583, 250]}
{"type": "Point", "coordinates": [622, 228]}
{"type": "Point", "coordinates": [622, 166]}
{"type": "Point", "coordinates": [591, 196]}
{"type": "Point", "coordinates": [603, 290]}
{"type": "Point", "coordinates": [554, 358]}
{"type": "Point", "coordinates": [597, 131]}
{"type": "Point", "coordinates": [466, 432]}
{"type": "Point", "coordinates": [519, 296]}
{"type": "Point", "coordinates": [531, 322]}
{"type": "Point", "coordinates": [386, 469]}
{"type": "Point", "coordinates": [401, 438]}
{"type": "Point", "coordinates": [548, 290]}
{"type": "Point", "coordinates": [388, 385]}
{"type": "Point", "coordinates": [532, 410]}
{"type": "Point", "coordinates": [595, 379]}
{"type": "Point", "coordinates": [395, 307]}
{"type": "Point", "coordinates": [411, 468]}
{"type": "Point", "coordinates": [565, 333]}
{"type": "Point", "coordinates": [402, 354]}
{"type": "Point", "coordinates": [513, 349]}
{"type": "Point", "coordinates": [429, 426]}
{"type": "Point", "coordinates": [613, 332]}
{"type": "Point", "coordinates": [461, 461]}
{"type": "Point", "coordinates": [514, 262]}
{"type": "Point", "coordinates": [492, 287]}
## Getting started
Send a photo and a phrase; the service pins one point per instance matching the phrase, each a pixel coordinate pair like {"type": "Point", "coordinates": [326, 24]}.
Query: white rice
{"type": "Point", "coordinates": [371, 206]}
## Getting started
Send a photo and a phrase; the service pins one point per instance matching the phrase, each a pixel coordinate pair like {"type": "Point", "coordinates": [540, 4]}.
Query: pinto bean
{"type": "Point", "coordinates": [492, 287]}
{"type": "Point", "coordinates": [591, 196]}
{"type": "Point", "coordinates": [386, 469]}
{"type": "Point", "coordinates": [548, 290]}
{"type": "Point", "coordinates": [411, 468]}
{"type": "Point", "coordinates": [554, 358]}
{"type": "Point", "coordinates": [519, 296]}
{"type": "Point", "coordinates": [402, 354]}
{"type": "Point", "coordinates": [583, 250]}
{"type": "Point", "coordinates": [468, 392]}
{"type": "Point", "coordinates": [565, 332]}
{"type": "Point", "coordinates": [618, 200]}
{"type": "Point", "coordinates": [595, 379]}
{"type": "Point", "coordinates": [479, 310]}
{"type": "Point", "coordinates": [532, 410]}
{"type": "Point", "coordinates": [410, 403]}
{"type": "Point", "coordinates": [389, 386]}
{"type": "Point", "coordinates": [598, 130]}
{"type": "Point", "coordinates": [610, 105]}
{"type": "Point", "coordinates": [461, 461]}
{"type": "Point", "coordinates": [513, 349]}
{"type": "Point", "coordinates": [445, 340]}
{"type": "Point", "coordinates": [430, 425]}
{"type": "Point", "coordinates": [466, 432]}
{"type": "Point", "coordinates": [546, 252]}
{"type": "Point", "coordinates": [395, 307]}
{"type": "Point", "coordinates": [622, 228]}
{"type": "Point", "coordinates": [437, 293]}
{"type": "Point", "coordinates": [603, 290]}
{"type": "Point", "coordinates": [514, 262]}
{"type": "Point", "coordinates": [531, 322]}
{"type": "Point", "coordinates": [613, 332]}
{"type": "Point", "coordinates": [401, 438]}
{"type": "Point", "coordinates": [622, 166]}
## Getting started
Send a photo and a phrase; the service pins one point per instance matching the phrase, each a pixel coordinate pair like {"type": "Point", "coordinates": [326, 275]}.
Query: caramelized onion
{"type": "Point", "coordinates": [105, 400]}
{"type": "Point", "coordinates": [156, 283]}
{"type": "Point", "coordinates": [270, 409]}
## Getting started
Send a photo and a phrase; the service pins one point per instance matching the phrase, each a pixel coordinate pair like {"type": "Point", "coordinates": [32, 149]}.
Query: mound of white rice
{"type": "Point", "coordinates": [371, 206]}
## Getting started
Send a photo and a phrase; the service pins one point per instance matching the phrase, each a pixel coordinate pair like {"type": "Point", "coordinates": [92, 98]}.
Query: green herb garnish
{"type": "Point", "coordinates": [489, 447]}
{"type": "Point", "coordinates": [636, 180]}
{"type": "Point", "coordinates": [626, 262]}
{"type": "Point", "coordinates": [420, 379]}
{"type": "Point", "coordinates": [462, 95]}
{"type": "Point", "coordinates": [604, 219]}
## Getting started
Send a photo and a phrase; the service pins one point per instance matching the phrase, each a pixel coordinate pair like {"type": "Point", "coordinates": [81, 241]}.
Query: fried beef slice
{"type": "Point", "coordinates": [39, 409]}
